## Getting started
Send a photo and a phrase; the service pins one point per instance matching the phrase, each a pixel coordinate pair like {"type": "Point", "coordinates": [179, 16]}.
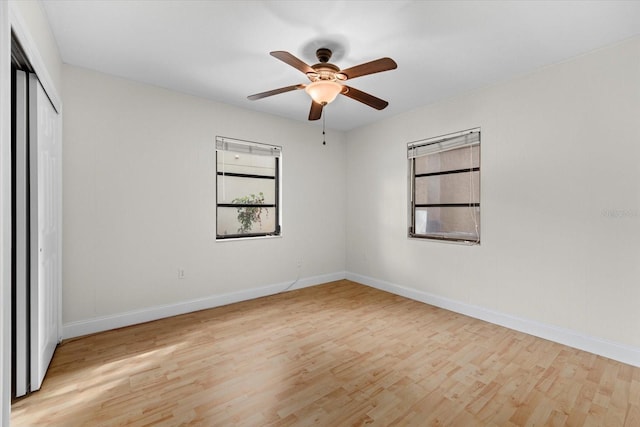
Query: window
{"type": "Point", "coordinates": [444, 187]}
{"type": "Point", "coordinates": [248, 189]}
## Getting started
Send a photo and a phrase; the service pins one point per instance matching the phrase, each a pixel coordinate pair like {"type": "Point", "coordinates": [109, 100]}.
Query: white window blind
{"type": "Point", "coordinates": [443, 143]}
{"type": "Point", "coordinates": [444, 187]}
{"type": "Point", "coordinates": [247, 147]}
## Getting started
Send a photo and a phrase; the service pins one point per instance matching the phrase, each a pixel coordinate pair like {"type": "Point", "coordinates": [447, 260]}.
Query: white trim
{"type": "Point", "coordinates": [30, 48]}
{"type": "Point", "coordinates": [613, 350]}
{"type": "Point", "coordinates": [105, 323]}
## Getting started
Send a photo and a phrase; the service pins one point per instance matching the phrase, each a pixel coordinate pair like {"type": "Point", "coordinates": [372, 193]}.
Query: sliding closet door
{"type": "Point", "coordinates": [45, 155]}
{"type": "Point", "coordinates": [21, 216]}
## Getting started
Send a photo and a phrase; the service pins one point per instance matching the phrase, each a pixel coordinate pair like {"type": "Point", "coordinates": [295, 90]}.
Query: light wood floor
{"type": "Point", "coordinates": [338, 354]}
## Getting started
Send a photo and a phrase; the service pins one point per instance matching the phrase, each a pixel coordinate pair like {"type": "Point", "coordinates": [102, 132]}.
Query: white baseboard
{"type": "Point", "coordinates": [612, 350]}
{"type": "Point", "coordinates": [105, 323]}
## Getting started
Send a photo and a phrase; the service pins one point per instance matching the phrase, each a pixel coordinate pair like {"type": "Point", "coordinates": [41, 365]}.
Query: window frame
{"type": "Point", "coordinates": [437, 145]}
{"type": "Point", "coordinates": [250, 147]}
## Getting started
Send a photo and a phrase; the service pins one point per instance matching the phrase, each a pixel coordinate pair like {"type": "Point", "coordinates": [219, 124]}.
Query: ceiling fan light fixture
{"type": "Point", "coordinates": [323, 91]}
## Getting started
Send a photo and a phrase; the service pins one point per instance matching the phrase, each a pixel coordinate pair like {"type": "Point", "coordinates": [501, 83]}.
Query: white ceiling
{"type": "Point", "coordinates": [220, 49]}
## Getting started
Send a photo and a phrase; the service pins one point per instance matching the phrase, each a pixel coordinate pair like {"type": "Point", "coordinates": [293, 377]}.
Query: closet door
{"type": "Point", "coordinates": [45, 155]}
{"type": "Point", "coordinates": [21, 233]}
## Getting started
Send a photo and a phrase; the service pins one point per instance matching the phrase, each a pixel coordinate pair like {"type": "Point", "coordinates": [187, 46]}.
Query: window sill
{"type": "Point", "coordinates": [240, 239]}
{"type": "Point", "coordinates": [450, 241]}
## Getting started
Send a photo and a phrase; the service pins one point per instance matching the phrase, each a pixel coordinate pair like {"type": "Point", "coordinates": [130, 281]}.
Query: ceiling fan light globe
{"type": "Point", "coordinates": [323, 91]}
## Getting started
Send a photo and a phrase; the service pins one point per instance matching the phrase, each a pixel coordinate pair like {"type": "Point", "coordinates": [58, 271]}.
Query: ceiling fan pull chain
{"type": "Point", "coordinates": [324, 139]}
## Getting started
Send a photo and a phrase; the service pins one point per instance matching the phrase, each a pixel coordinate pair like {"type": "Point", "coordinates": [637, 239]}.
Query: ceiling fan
{"type": "Point", "coordinates": [326, 80]}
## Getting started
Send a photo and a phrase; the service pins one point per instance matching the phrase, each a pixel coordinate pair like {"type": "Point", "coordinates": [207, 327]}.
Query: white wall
{"type": "Point", "coordinates": [560, 201]}
{"type": "Point", "coordinates": [139, 201]}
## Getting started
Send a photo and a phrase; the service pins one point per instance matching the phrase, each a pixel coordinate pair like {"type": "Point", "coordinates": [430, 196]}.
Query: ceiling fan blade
{"type": "Point", "coordinates": [382, 64]}
{"type": "Point", "coordinates": [275, 92]}
{"type": "Point", "coordinates": [364, 97]}
{"type": "Point", "coordinates": [316, 111]}
{"type": "Point", "coordinates": [288, 58]}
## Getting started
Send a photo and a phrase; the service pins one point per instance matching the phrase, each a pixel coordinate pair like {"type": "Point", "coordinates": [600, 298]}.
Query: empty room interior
{"type": "Point", "coordinates": [251, 213]}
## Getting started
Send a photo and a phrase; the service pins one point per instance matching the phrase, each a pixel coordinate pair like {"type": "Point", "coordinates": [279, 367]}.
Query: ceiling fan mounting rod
{"type": "Point", "coordinates": [323, 54]}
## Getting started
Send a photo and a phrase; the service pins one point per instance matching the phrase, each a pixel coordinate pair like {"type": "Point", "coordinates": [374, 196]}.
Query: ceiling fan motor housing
{"type": "Point", "coordinates": [324, 70]}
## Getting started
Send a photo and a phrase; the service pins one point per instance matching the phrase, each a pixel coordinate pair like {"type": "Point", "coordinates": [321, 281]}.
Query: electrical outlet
{"type": "Point", "coordinates": [180, 273]}
{"type": "Point", "coordinates": [299, 263]}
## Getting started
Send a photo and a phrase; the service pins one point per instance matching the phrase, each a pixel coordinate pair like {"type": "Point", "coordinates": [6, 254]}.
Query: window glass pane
{"type": "Point", "coordinates": [459, 158]}
{"type": "Point", "coordinates": [246, 220]}
{"type": "Point", "coordinates": [250, 164]}
{"type": "Point", "coordinates": [449, 188]}
{"type": "Point", "coordinates": [450, 222]}
{"type": "Point", "coordinates": [233, 188]}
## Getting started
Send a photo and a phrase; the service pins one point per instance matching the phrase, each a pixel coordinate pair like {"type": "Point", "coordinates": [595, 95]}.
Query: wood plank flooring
{"type": "Point", "coordinates": [339, 354]}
